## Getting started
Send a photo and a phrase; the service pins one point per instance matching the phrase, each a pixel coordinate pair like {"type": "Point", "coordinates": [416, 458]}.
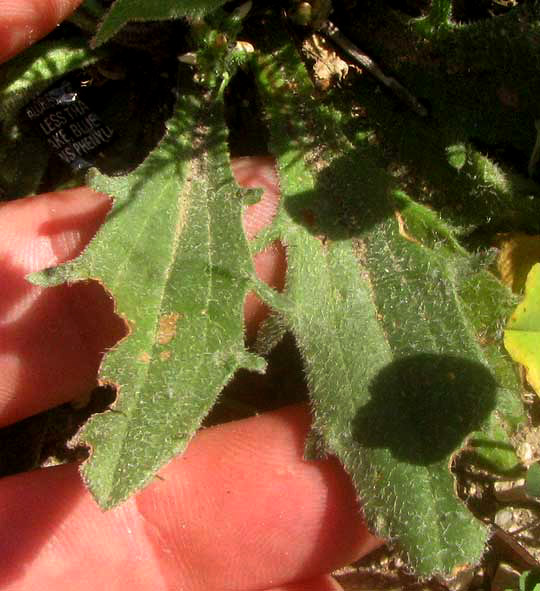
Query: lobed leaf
{"type": "Point", "coordinates": [397, 376]}
{"type": "Point", "coordinates": [174, 257]}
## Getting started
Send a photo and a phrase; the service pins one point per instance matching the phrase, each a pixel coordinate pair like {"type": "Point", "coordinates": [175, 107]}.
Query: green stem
{"type": "Point", "coordinates": [439, 18]}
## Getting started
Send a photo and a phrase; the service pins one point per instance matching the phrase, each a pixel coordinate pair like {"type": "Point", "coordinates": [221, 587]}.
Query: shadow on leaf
{"type": "Point", "coordinates": [423, 406]}
{"type": "Point", "coordinates": [350, 197]}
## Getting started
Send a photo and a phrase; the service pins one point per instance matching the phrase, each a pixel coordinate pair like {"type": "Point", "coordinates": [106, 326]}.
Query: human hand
{"type": "Point", "coordinates": [240, 509]}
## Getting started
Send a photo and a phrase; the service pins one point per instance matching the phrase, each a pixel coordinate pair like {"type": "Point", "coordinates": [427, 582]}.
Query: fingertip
{"type": "Point", "coordinates": [324, 583]}
{"type": "Point", "coordinates": [258, 172]}
{"type": "Point", "coordinates": [240, 506]}
{"type": "Point", "coordinates": [279, 517]}
{"type": "Point", "coordinates": [44, 230]}
{"type": "Point", "coordinates": [270, 264]}
{"type": "Point", "coordinates": [22, 22]}
{"type": "Point", "coordinates": [270, 267]}
{"type": "Point", "coordinates": [52, 339]}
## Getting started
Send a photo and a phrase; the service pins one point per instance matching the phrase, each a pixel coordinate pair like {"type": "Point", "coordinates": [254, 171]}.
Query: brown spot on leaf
{"type": "Point", "coordinates": [167, 328]}
{"type": "Point", "coordinates": [143, 357]}
{"type": "Point", "coordinates": [165, 355]}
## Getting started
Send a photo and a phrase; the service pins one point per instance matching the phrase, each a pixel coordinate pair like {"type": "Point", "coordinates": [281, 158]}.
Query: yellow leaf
{"type": "Point", "coordinates": [522, 335]}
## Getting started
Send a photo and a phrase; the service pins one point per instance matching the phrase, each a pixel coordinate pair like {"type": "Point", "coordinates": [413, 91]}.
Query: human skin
{"type": "Point", "coordinates": [239, 510]}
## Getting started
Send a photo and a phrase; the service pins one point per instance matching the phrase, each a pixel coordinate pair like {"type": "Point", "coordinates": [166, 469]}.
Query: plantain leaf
{"type": "Point", "coordinates": [174, 257]}
{"type": "Point", "coordinates": [522, 335]}
{"type": "Point", "coordinates": [124, 11]}
{"type": "Point", "coordinates": [396, 372]}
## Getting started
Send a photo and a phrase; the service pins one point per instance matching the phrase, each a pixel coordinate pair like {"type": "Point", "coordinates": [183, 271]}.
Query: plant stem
{"type": "Point", "coordinates": [331, 31]}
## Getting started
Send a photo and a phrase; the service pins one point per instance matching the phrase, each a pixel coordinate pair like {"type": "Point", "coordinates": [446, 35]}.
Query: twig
{"type": "Point", "coordinates": [330, 30]}
{"type": "Point", "coordinates": [535, 155]}
{"type": "Point", "coordinates": [507, 548]}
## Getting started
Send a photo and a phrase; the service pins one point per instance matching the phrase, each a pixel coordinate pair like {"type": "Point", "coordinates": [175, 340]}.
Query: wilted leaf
{"type": "Point", "coordinates": [174, 257]}
{"type": "Point", "coordinates": [397, 375]}
{"type": "Point", "coordinates": [124, 11]}
{"type": "Point", "coordinates": [522, 335]}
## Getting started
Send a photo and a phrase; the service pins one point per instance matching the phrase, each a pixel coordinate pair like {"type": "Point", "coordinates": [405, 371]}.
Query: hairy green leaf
{"type": "Point", "coordinates": [464, 185]}
{"type": "Point", "coordinates": [174, 257]}
{"type": "Point", "coordinates": [124, 11]}
{"type": "Point", "coordinates": [439, 18]}
{"type": "Point", "coordinates": [486, 303]}
{"type": "Point", "coordinates": [397, 376]}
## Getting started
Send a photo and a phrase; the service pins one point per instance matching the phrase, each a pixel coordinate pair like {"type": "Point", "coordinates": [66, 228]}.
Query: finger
{"type": "Point", "coordinates": [324, 583]}
{"type": "Point", "coordinates": [22, 22]}
{"type": "Point", "coordinates": [260, 172]}
{"type": "Point", "coordinates": [239, 510]}
{"type": "Point", "coordinates": [270, 266]}
{"type": "Point", "coordinates": [52, 340]}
